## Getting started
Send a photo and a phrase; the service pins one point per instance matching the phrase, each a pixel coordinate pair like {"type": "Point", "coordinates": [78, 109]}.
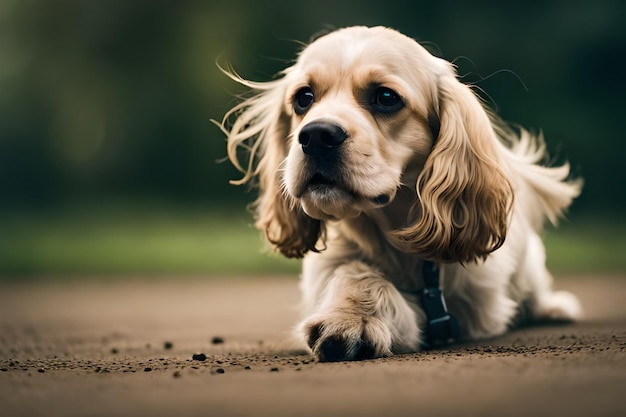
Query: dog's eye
{"type": "Point", "coordinates": [385, 100]}
{"type": "Point", "coordinates": [303, 100]}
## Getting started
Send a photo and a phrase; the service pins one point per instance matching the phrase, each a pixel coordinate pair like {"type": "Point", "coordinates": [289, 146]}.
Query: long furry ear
{"type": "Point", "coordinates": [261, 130]}
{"type": "Point", "coordinates": [464, 196]}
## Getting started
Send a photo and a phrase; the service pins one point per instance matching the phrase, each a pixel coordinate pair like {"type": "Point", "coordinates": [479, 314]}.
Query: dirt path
{"type": "Point", "coordinates": [125, 349]}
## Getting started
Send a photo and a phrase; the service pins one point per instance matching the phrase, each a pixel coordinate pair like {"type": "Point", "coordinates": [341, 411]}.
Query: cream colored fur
{"type": "Point", "coordinates": [440, 178]}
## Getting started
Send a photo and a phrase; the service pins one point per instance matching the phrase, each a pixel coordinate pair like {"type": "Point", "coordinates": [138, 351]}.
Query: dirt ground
{"type": "Point", "coordinates": [126, 348]}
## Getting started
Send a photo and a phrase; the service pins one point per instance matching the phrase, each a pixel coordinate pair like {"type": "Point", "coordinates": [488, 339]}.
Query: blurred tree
{"type": "Point", "coordinates": [112, 99]}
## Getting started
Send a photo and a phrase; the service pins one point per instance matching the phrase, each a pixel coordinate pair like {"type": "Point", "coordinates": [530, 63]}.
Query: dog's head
{"type": "Point", "coordinates": [363, 113]}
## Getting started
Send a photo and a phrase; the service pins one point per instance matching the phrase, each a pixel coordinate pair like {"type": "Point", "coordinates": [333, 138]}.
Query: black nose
{"type": "Point", "coordinates": [318, 138]}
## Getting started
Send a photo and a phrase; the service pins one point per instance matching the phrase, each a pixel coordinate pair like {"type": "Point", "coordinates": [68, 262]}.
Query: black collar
{"type": "Point", "coordinates": [441, 327]}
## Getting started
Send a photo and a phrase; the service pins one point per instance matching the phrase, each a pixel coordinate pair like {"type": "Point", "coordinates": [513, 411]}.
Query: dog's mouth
{"type": "Point", "coordinates": [323, 187]}
{"type": "Point", "coordinates": [326, 197]}
{"type": "Point", "coordinates": [321, 182]}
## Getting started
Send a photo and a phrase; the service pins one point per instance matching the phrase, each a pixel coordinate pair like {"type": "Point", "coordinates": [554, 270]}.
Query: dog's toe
{"type": "Point", "coordinates": [365, 351]}
{"type": "Point", "coordinates": [337, 349]}
{"type": "Point", "coordinates": [333, 349]}
{"type": "Point", "coordinates": [313, 335]}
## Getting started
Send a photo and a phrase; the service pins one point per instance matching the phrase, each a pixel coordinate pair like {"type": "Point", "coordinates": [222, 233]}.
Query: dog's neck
{"type": "Point", "coordinates": [400, 213]}
{"type": "Point", "coordinates": [370, 231]}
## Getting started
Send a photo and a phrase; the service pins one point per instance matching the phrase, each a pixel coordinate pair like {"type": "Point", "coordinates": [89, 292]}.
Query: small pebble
{"type": "Point", "coordinates": [168, 345]}
{"type": "Point", "coordinates": [274, 370]}
{"type": "Point", "coordinates": [114, 351]}
{"type": "Point", "coordinates": [219, 370]}
{"type": "Point", "coordinates": [147, 369]}
{"type": "Point", "coordinates": [176, 374]}
{"type": "Point", "coordinates": [217, 340]}
{"type": "Point", "coordinates": [41, 370]}
{"type": "Point", "coordinates": [199, 357]}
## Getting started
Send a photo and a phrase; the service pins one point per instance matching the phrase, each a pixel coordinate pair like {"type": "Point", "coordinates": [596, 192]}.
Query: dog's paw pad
{"type": "Point", "coordinates": [348, 338]}
{"type": "Point", "coordinates": [332, 349]}
{"type": "Point", "coordinates": [365, 351]}
{"type": "Point", "coordinates": [336, 349]}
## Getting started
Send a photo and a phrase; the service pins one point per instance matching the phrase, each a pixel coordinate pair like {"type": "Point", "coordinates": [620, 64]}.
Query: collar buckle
{"type": "Point", "coordinates": [442, 328]}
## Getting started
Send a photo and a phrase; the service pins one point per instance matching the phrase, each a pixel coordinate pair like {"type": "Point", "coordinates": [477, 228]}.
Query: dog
{"type": "Point", "coordinates": [372, 161]}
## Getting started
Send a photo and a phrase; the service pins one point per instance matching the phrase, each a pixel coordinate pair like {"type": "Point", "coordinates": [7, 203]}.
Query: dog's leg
{"type": "Point", "coordinates": [544, 302]}
{"type": "Point", "coordinates": [359, 315]}
{"type": "Point", "coordinates": [477, 295]}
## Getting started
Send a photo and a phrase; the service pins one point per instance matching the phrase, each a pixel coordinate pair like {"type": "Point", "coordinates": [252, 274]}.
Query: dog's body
{"type": "Point", "coordinates": [372, 157]}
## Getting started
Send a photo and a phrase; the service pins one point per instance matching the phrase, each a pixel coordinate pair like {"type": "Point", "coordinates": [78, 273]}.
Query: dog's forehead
{"type": "Point", "coordinates": [345, 48]}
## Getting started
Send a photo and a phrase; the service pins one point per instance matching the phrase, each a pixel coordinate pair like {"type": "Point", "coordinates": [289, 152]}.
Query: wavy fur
{"type": "Point", "coordinates": [420, 170]}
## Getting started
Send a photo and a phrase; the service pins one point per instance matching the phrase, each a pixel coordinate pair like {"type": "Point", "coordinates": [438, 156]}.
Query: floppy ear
{"type": "Point", "coordinates": [464, 196]}
{"type": "Point", "coordinates": [261, 128]}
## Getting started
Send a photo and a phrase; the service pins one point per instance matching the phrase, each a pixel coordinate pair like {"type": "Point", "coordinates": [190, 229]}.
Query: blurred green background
{"type": "Point", "coordinates": [109, 164]}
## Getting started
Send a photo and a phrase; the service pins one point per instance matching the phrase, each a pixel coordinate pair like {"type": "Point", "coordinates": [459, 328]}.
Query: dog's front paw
{"type": "Point", "coordinates": [343, 337]}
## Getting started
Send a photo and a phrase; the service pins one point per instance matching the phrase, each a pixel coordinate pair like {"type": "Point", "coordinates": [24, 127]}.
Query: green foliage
{"type": "Point", "coordinates": [588, 245]}
{"type": "Point", "coordinates": [154, 240]}
{"type": "Point", "coordinates": [136, 241]}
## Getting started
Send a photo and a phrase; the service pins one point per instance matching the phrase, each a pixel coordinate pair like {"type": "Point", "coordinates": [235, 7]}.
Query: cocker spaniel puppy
{"type": "Point", "coordinates": [382, 170]}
